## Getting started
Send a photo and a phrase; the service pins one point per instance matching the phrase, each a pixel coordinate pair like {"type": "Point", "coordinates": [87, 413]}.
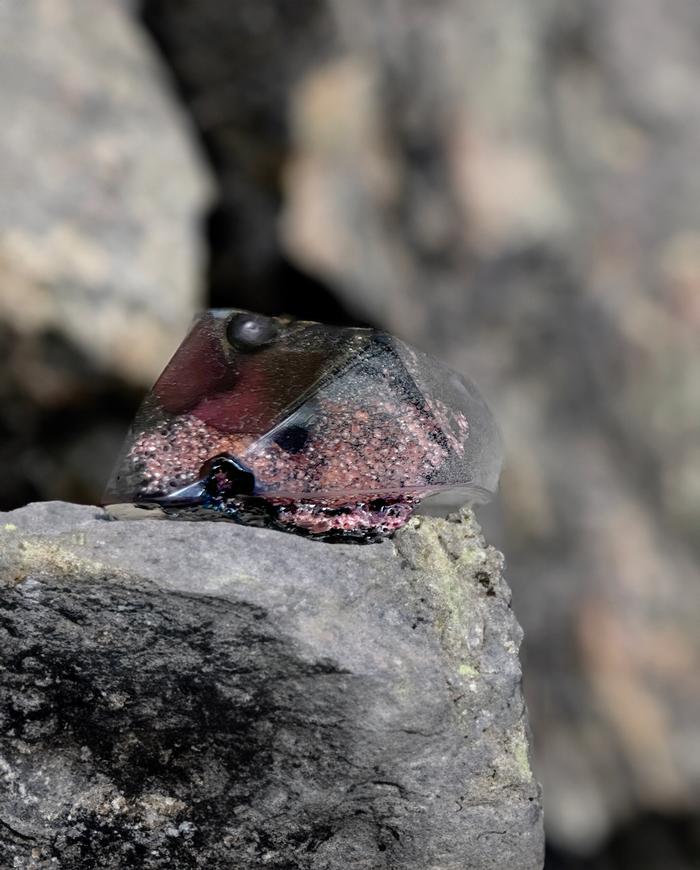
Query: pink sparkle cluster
{"type": "Point", "coordinates": [352, 455]}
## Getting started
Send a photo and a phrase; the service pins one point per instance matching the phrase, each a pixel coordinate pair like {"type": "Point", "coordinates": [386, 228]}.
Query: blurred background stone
{"type": "Point", "coordinates": [236, 70]}
{"type": "Point", "coordinates": [499, 184]}
{"type": "Point", "coordinates": [512, 187]}
{"type": "Point", "coordinates": [102, 194]}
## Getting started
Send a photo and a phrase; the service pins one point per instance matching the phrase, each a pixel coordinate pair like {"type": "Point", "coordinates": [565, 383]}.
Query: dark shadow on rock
{"type": "Point", "coordinates": [170, 720]}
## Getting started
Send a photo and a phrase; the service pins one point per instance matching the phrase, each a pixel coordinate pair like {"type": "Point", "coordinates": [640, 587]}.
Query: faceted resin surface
{"type": "Point", "coordinates": [320, 430]}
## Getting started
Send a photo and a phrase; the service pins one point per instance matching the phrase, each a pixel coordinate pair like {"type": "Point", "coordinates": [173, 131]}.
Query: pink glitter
{"type": "Point", "coordinates": [327, 431]}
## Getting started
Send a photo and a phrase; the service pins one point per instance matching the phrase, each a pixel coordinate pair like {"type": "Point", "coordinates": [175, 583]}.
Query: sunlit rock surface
{"type": "Point", "coordinates": [209, 695]}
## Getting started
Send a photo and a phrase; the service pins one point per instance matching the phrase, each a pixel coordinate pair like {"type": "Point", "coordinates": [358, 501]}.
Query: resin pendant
{"type": "Point", "coordinates": [325, 431]}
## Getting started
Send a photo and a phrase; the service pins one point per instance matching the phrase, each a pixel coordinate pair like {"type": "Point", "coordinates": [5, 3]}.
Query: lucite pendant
{"type": "Point", "coordinates": [325, 431]}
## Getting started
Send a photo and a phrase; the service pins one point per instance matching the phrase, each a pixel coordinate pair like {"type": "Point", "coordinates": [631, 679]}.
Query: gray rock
{"type": "Point", "coordinates": [178, 695]}
{"type": "Point", "coordinates": [102, 189]}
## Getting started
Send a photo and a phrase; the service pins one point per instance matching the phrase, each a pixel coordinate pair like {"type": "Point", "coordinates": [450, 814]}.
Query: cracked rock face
{"type": "Point", "coordinates": [178, 695]}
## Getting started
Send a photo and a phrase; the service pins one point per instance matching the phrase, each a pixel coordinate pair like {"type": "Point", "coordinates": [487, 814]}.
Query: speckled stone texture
{"type": "Point", "coordinates": [204, 695]}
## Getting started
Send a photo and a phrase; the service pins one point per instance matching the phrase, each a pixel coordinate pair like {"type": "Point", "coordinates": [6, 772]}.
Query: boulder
{"type": "Point", "coordinates": [186, 695]}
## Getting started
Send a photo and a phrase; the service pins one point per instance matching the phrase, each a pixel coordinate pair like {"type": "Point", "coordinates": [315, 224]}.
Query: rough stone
{"type": "Point", "coordinates": [206, 695]}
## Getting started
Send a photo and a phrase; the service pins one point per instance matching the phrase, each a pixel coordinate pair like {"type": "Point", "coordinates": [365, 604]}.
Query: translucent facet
{"type": "Point", "coordinates": [347, 427]}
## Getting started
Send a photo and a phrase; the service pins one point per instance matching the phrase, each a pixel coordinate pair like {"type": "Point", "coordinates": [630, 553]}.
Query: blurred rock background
{"type": "Point", "coordinates": [102, 193]}
{"type": "Point", "coordinates": [512, 187]}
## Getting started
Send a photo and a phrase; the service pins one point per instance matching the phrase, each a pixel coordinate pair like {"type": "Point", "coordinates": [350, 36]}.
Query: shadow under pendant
{"type": "Point", "coordinates": [336, 433]}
